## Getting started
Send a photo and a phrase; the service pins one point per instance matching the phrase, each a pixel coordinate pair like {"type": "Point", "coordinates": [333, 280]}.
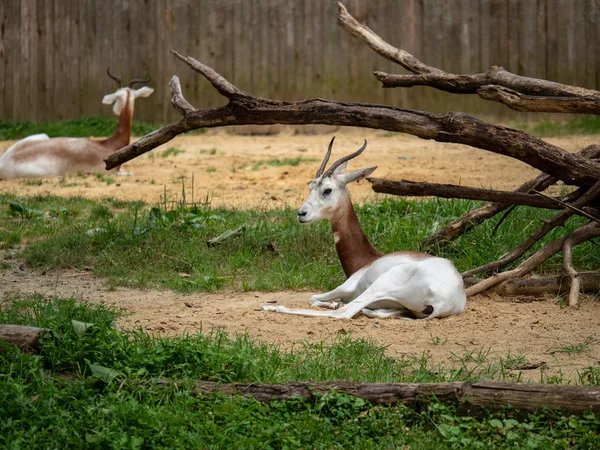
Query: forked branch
{"type": "Point", "coordinates": [520, 93]}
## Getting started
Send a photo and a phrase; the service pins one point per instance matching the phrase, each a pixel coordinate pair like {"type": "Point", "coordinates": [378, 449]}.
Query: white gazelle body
{"type": "Point", "coordinates": [40, 155]}
{"type": "Point", "coordinates": [407, 284]}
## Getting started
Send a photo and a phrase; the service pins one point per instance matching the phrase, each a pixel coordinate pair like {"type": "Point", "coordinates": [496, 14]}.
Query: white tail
{"type": "Point", "coordinates": [39, 155]}
{"type": "Point", "coordinates": [407, 284]}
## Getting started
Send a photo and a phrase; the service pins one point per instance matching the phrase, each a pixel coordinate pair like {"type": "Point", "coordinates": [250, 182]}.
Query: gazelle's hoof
{"type": "Point", "coordinates": [270, 308]}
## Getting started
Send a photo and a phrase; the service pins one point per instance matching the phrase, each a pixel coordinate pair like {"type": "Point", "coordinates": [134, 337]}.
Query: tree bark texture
{"type": "Point", "coordinates": [24, 337]}
{"type": "Point", "coordinates": [470, 398]}
{"type": "Point", "coordinates": [554, 285]}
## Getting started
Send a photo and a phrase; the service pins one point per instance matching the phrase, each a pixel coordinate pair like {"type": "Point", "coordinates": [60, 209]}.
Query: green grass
{"type": "Point", "coordinates": [573, 126]}
{"type": "Point", "coordinates": [171, 151]}
{"type": "Point", "coordinates": [144, 246]}
{"type": "Point", "coordinates": [62, 397]}
{"type": "Point", "coordinates": [83, 127]}
{"type": "Point", "coordinates": [276, 162]}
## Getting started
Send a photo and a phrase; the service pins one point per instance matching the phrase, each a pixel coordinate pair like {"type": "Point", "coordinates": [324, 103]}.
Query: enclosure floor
{"type": "Point", "coordinates": [232, 170]}
{"type": "Point", "coordinates": [491, 325]}
{"type": "Point", "coordinates": [235, 170]}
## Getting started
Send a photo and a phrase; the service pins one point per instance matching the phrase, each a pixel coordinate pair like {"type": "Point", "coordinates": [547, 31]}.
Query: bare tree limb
{"type": "Point", "coordinates": [425, 189]}
{"type": "Point", "coordinates": [531, 103]}
{"type": "Point", "coordinates": [554, 285]}
{"type": "Point", "coordinates": [244, 109]}
{"type": "Point", "coordinates": [177, 99]}
{"type": "Point", "coordinates": [381, 47]}
{"type": "Point", "coordinates": [567, 205]}
{"type": "Point", "coordinates": [571, 272]}
{"type": "Point", "coordinates": [469, 398]}
{"type": "Point", "coordinates": [478, 215]}
{"type": "Point", "coordinates": [224, 87]}
{"type": "Point", "coordinates": [578, 99]}
{"type": "Point", "coordinates": [582, 234]}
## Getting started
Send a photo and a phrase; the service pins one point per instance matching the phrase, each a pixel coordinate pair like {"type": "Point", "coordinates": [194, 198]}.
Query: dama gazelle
{"type": "Point", "coordinates": [39, 155]}
{"type": "Point", "coordinates": [405, 283]}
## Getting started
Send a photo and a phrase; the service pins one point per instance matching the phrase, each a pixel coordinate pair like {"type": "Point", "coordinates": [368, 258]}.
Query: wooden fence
{"type": "Point", "coordinates": [54, 53]}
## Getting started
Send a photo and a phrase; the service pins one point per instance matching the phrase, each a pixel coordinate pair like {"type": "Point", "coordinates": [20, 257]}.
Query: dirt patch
{"type": "Point", "coordinates": [491, 324]}
{"type": "Point", "coordinates": [234, 170]}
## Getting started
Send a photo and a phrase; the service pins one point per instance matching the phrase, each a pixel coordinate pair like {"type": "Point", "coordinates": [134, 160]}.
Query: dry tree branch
{"type": "Point", "coordinates": [590, 282]}
{"type": "Point", "coordinates": [425, 189]}
{"type": "Point", "coordinates": [530, 103]}
{"type": "Point", "coordinates": [177, 99]}
{"type": "Point", "coordinates": [245, 109]}
{"type": "Point", "coordinates": [582, 234]}
{"type": "Point", "coordinates": [575, 208]}
{"type": "Point", "coordinates": [536, 91]}
{"type": "Point", "coordinates": [571, 272]}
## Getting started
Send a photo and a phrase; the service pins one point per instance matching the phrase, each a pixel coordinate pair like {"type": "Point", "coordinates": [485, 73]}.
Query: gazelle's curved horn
{"type": "Point", "coordinates": [342, 160]}
{"type": "Point", "coordinates": [325, 160]}
{"type": "Point", "coordinates": [139, 80]}
{"type": "Point", "coordinates": [113, 77]}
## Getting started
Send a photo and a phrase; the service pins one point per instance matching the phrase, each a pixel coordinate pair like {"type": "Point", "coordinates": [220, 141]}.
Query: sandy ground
{"type": "Point", "coordinates": [231, 170]}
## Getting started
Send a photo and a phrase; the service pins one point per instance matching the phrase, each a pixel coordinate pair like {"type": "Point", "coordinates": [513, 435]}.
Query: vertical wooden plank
{"type": "Point", "coordinates": [4, 38]}
{"type": "Point", "coordinates": [499, 37]}
{"type": "Point", "coordinates": [277, 35]}
{"type": "Point", "coordinates": [25, 102]}
{"type": "Point", "coordinates": [566, 54]}
{"type": "Point", "coordinates": [485, 36]}
{"type": "Point", "coordinates": [413, 40]}
{"type": "Point", "coordinates": [541, 39]}
{"type": "Point", "coordinates": [579, 49]}
{"type": "Point", "coordinates": [552, 40]}
{"type": "Point", "coordinates": [589, 43]}
{"type": "Point", "coordinates": [528, 36]}
{"type": "Point", "coordinates": [514, 30]}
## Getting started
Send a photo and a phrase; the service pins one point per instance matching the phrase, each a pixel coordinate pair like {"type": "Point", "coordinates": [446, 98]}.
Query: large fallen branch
{"type": "Point", "coordinates": [470, 398]}
{"type": "Point", "coordinates": [244, 109]}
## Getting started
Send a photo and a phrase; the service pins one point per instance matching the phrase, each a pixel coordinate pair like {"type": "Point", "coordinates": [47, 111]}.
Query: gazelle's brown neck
{"type": "Point", "coordinates": [122, 134]}
{"type": "Point", "coordinates": [353, 248]}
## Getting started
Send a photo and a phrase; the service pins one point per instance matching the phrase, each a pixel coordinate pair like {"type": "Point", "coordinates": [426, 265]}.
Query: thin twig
{"type": "Point", "coordinates": [570, 270]}
{"type": "Point", "coordinates": [568, 205]}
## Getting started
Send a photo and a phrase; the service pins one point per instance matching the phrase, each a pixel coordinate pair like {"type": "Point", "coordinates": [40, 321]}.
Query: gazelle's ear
{"type": "Point", "coordinates": [358, 174]}
{"type": "Point", "coordinates": [143, 92]}
{"type": "Point", "coordinates": [118, 98]}
{"type": "Point", "coordinates": [341, 168]}
{"type": "Point", "coordinates": [110, 98]}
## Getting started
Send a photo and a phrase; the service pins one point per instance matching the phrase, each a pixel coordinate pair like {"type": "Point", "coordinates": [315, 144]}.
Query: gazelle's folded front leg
{"type": "Point", "coordinates": [344, 292]}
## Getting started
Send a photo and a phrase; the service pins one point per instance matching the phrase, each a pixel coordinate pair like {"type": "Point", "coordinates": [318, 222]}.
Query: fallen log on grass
{"type": "Point", "coordinates": [470, 398]}
{"type": "Point", "coordinates": [24, 337]}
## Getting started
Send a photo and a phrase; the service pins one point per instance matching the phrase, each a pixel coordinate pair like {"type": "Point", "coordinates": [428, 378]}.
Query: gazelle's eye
{"type": "Point", "coordinates": [326, 192]}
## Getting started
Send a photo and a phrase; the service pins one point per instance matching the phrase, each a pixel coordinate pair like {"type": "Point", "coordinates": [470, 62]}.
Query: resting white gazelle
{"type": "Point", "coordinates": [405, 283]}
{"type": "Point", "coordinates": [39, 155]}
